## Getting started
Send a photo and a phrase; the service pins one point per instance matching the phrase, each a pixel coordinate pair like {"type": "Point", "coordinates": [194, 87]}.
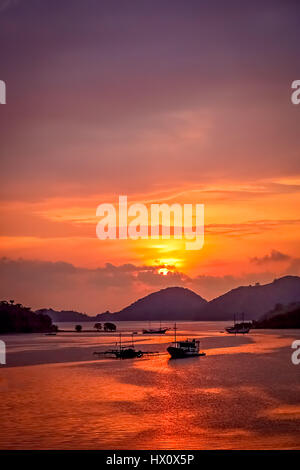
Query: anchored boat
{"type": "Point", "coordinates": [239, 328]}
{"type": "Point", "coordinates": [155, 331]}
{"type": "Point", "coordinates": [124, 352]}
{"type": "Point", "coordinates": [186, 348]}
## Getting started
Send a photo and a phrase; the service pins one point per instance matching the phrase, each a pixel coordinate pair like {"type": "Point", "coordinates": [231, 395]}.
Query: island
{"type": "Point", "coordinates": [15, 318]}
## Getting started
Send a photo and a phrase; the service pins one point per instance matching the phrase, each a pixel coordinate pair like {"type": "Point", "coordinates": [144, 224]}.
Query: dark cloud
{"type": "Point", "coordinates": [62, 285]}
{"type": "Point", "coordinates": [274, 257]}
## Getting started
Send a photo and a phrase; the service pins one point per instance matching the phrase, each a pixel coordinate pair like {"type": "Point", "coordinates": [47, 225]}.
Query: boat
{"type": "Point", "coordinates": [122, 352]}
{"type": "Point", "coordinates": [155, 331]}
{"type": "Point", "coordinates": [186, 348]}
{"type": "Point", "coordinates": [125, 352]}
{"type": "Point", "coordinates": [50, 334]}
{"type": "Point", "coordinates": [239, 328]}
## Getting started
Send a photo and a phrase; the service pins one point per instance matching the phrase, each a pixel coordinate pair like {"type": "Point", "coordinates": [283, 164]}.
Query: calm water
{"type": "Point", "coordinates": [243, 395]}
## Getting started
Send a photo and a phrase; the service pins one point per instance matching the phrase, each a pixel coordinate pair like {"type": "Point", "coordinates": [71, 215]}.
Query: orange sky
{"type": "Point", "coordinates": [251, 233]}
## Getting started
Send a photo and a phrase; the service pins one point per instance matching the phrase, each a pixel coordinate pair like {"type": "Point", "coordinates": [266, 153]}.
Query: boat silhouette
{"type": "Point", "coordinates": [186, 348]}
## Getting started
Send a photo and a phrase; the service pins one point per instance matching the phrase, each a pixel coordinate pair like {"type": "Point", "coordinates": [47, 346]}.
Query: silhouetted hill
{"type": "Point", "coordinates": [253, 301]}
{"type": "Point", "coordinates": [173, 303]}
{"type": "Point", "coordinates": [287, 316]}
{"type": "Point", "coordinates": [178, 303]}
{"type": "Point", "coordinates": [15, 318]}
{"type": "Point", "coordinates": [65, 315]}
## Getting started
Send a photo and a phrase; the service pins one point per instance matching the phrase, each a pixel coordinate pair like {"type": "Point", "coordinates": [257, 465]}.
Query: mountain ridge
{"type": "Point", "coordinates": [253, 300]}
{"type": "Point", "coordinates": [180, 303]}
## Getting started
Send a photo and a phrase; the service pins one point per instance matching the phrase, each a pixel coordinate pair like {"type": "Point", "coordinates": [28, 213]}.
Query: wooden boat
{"type": "Point", "coordinates": [125, 352]}
{"type": "Point", "coordinates": [239, 328]}
{"type": "Point", "coordinates": [155, 331]}
{"type": "Point", "coordinates": [186, 348]}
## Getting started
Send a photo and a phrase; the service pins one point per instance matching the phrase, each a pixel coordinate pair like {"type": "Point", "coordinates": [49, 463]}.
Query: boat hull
{"type": "Point", "coordinates": [155, 332]}
{"type": "Point", "coordinates": [177, 353]}
{"type": "Point", "coordinates": [127, 353]}
{"type": "Point", "coordinates": [236, 331]}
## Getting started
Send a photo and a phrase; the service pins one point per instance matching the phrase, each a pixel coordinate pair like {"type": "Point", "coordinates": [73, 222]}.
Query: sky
{"type": "Point", "coordinates": [162, 101]}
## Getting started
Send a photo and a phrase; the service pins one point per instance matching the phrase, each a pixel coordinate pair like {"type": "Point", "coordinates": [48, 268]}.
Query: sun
{"type": "Point", "coordinates": [163, 271]}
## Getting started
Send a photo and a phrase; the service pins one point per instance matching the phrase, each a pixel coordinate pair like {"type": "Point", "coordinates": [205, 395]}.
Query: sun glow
{"type": "Point", "coordinates": [163, 271]}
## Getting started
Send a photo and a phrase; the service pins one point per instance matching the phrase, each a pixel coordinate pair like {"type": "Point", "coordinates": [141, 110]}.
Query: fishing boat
{"type": "Point", "coordinates": [239, 328]}
{"type": "Point", "coordinates": [186, 348]}
{"type": "Point", "coordinates": [155, 331]}
{"type": "Point", "coordinates": [125, 352]}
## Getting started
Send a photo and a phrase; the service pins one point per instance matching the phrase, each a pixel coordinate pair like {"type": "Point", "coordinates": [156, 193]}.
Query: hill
{"type": "Point", "coordinates": [15, 318]}
{"type": "Point", "coordinates": [178, 303]}
{"type": "Point", "coordinates": [253, 301]}
{"type": "Point", "coordinates": [281, 317]}
{"type": "Point", "coordinates": [65, 315]}
{"type": "Point", "coordinates": [172, 303]}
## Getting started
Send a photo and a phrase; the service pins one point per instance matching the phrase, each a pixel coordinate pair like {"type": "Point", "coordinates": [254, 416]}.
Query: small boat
{"type": "Point", "coordinates": [155, 331]}
{"type": "Point", "coordinates": [52, 333]}
{"type": "Point", "coordinates": [239, 328]}
{"type": "Point", "coordinates": [125, 352]}
{"type": "Point", "coordinates": [186, 348]}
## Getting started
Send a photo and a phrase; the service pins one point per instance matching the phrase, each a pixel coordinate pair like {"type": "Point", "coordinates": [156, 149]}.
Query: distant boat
{"type": "Point", "coordinates": [187, 348]}
{"type": "Point", "coordinates": [239, 328]}
{"type": "Point", "coordinates": [50, 334]}
{"type": "Point", "coordinates": [125, 352]}
{"type": "Point", "coordinates": [155, 331]}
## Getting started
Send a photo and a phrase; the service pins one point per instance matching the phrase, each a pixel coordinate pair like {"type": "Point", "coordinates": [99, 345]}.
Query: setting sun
{"type": "Point", "coordinates": [163, 271]}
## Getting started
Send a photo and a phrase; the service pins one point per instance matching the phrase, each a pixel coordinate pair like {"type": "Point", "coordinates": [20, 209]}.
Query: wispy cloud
{"type": "Point", "coordinates": [274, 256]}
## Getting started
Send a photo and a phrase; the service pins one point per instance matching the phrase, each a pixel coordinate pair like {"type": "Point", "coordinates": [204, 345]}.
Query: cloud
{"type": "Point", "coordinates": [294, 267]}
{"type": "Point", "coordinates": [274, 256]}
{"type": "Point", "coordinates": [119, 112]}
{"type": "Point", "coordinates": [62, 285]}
